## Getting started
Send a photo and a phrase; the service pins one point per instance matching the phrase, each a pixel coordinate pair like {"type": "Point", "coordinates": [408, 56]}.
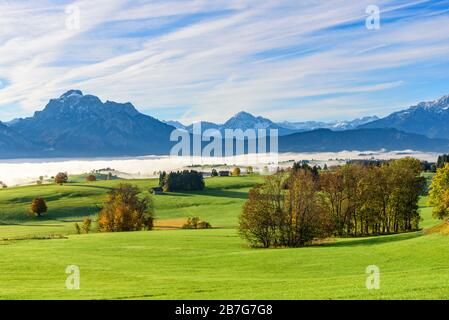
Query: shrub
{"type": "Point", "coordinates": [236, 171]}
{"type": "Point", "coordinates": [125, 211]}
{"type": "Point", "coordinates": [196, 223]}
{"type": "Point", "coordinates": [87, 222]}
{"type": "Point", "coordinates": [91, 177]}
{"type": "Point", "coordinates": [77, 228]}
{"type": "Point", "coordinates": [38, 207]}
{"type": "Point", "coordinates": [214, 173]}
{"type": "Point", "coordinates": [204, 225]}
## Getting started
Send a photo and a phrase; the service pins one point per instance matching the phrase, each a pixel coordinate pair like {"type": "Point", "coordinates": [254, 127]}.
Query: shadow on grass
{"type": "Point", "coordinates": [220, 193]}
{"type": "Point", "coordinates": [373, 240]}
{"type": "Point", "coordinates": [225, 194]}
{"type": "Point", "coordinates": [59, 195]}
{"type": "Point", "coordinates": [66, 214]}
{"type": "Point", "coordinates": [175, 194]}
{"type": "Point", "coordinates": [91, 186]}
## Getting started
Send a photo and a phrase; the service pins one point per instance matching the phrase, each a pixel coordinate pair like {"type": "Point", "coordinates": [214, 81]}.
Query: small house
{"type": "Point", "coordinates": [157, 190]}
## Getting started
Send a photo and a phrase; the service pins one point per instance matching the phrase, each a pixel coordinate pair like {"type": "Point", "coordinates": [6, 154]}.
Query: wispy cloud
{"type": "Point", "coordinates": [210, 59]}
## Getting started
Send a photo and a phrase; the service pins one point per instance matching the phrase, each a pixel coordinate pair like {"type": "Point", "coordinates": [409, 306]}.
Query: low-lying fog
{"type": "Point", "coordinates": [24, 171]}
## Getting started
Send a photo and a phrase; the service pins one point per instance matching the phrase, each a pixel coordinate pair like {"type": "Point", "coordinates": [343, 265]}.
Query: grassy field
{"type": "Point", "coordinates": [201, 264]}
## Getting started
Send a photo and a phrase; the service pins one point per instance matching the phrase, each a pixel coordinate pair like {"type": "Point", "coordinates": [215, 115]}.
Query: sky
{"type": "Point", "coordinates": [191, 60]}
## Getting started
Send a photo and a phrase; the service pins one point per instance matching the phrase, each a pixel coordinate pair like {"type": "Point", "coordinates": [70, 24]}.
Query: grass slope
{"type": "Point", "coordinates": [204, 264]}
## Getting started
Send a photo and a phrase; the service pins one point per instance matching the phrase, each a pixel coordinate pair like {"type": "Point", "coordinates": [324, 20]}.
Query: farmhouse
{"type": "Point", "coordinates": [157, 190]}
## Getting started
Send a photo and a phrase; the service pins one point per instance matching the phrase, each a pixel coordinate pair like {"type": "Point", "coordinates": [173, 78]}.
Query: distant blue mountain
{"type": "Point", "coordinates": [82, 125]}
{"type": "Point", "coordinates": [333, 125]}
{"type": "Point", "coordinates": [13, 144]}
{"type": "Point", "coordinates": [325, 140]}
{"type": "Point", "coordinates": [427, 118]}
{"type": "Point", "coordinates": [242, 120]}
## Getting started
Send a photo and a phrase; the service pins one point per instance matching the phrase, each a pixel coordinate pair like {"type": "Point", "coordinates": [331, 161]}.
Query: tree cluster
{"type": "Point", "coordinates": [373, 200]}
{"type": "Point", "coordinates": [293, 208]}
{"type": "Point", "coordinates": [274, 216]}
{"type": "Point", "coordinates": [181, 181]}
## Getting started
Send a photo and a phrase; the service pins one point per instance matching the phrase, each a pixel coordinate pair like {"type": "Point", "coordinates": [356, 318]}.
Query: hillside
{"type": "Point", "coordinates": [203, 264]}
{"type": "Point", "coordinates": [13, 144]}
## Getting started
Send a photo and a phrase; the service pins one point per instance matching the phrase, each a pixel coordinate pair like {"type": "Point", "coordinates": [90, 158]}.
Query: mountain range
{"type": "Point", "coordinates": [244, 120]}
{"type": "Point", "coordinates": [427, 118]}
{"type": "Point", "coordinates": [79, 125]}
{"type": "Point", "coordinates": [333, 125]}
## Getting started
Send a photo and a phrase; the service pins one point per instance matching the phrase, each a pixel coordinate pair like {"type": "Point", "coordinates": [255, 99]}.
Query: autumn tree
{"type": "Point", "coordinates": [125, 211]}
{"type": "Point", "coordinates": [275, 216]}
{"type": "Point", "coordinates": [333, 198]}
{"type": "Point", "coordinates": [61, 178]}
{"type": "Point", "coordinates": [236, 171]}
{"type": "Point", "coordinates": [439, 193]}
{"type": "Point", "coordinates": [38, 207]}
{"type": "Point", "coordinates": [262, 212]}
{"type": "Point", "coordinates": [304, 219]}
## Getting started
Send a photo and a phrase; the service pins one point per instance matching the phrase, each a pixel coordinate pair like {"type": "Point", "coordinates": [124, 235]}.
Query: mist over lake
{"type": "Point", "coordinates": [25, 171]}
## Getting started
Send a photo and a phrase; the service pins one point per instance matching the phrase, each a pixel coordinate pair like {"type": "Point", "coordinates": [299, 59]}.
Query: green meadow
{"type": "Point", "coordinates": [172, 263]}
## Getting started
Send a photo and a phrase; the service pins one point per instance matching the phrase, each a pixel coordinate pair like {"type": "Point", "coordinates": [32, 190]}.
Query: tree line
{"type": "Point", "coordinates": [181, 181]}
{"type": "Point", "coordinates": [295, 207]}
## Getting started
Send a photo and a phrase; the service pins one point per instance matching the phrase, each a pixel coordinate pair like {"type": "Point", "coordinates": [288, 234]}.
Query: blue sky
{"type": "Point", "coordinates": [207, 60]}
